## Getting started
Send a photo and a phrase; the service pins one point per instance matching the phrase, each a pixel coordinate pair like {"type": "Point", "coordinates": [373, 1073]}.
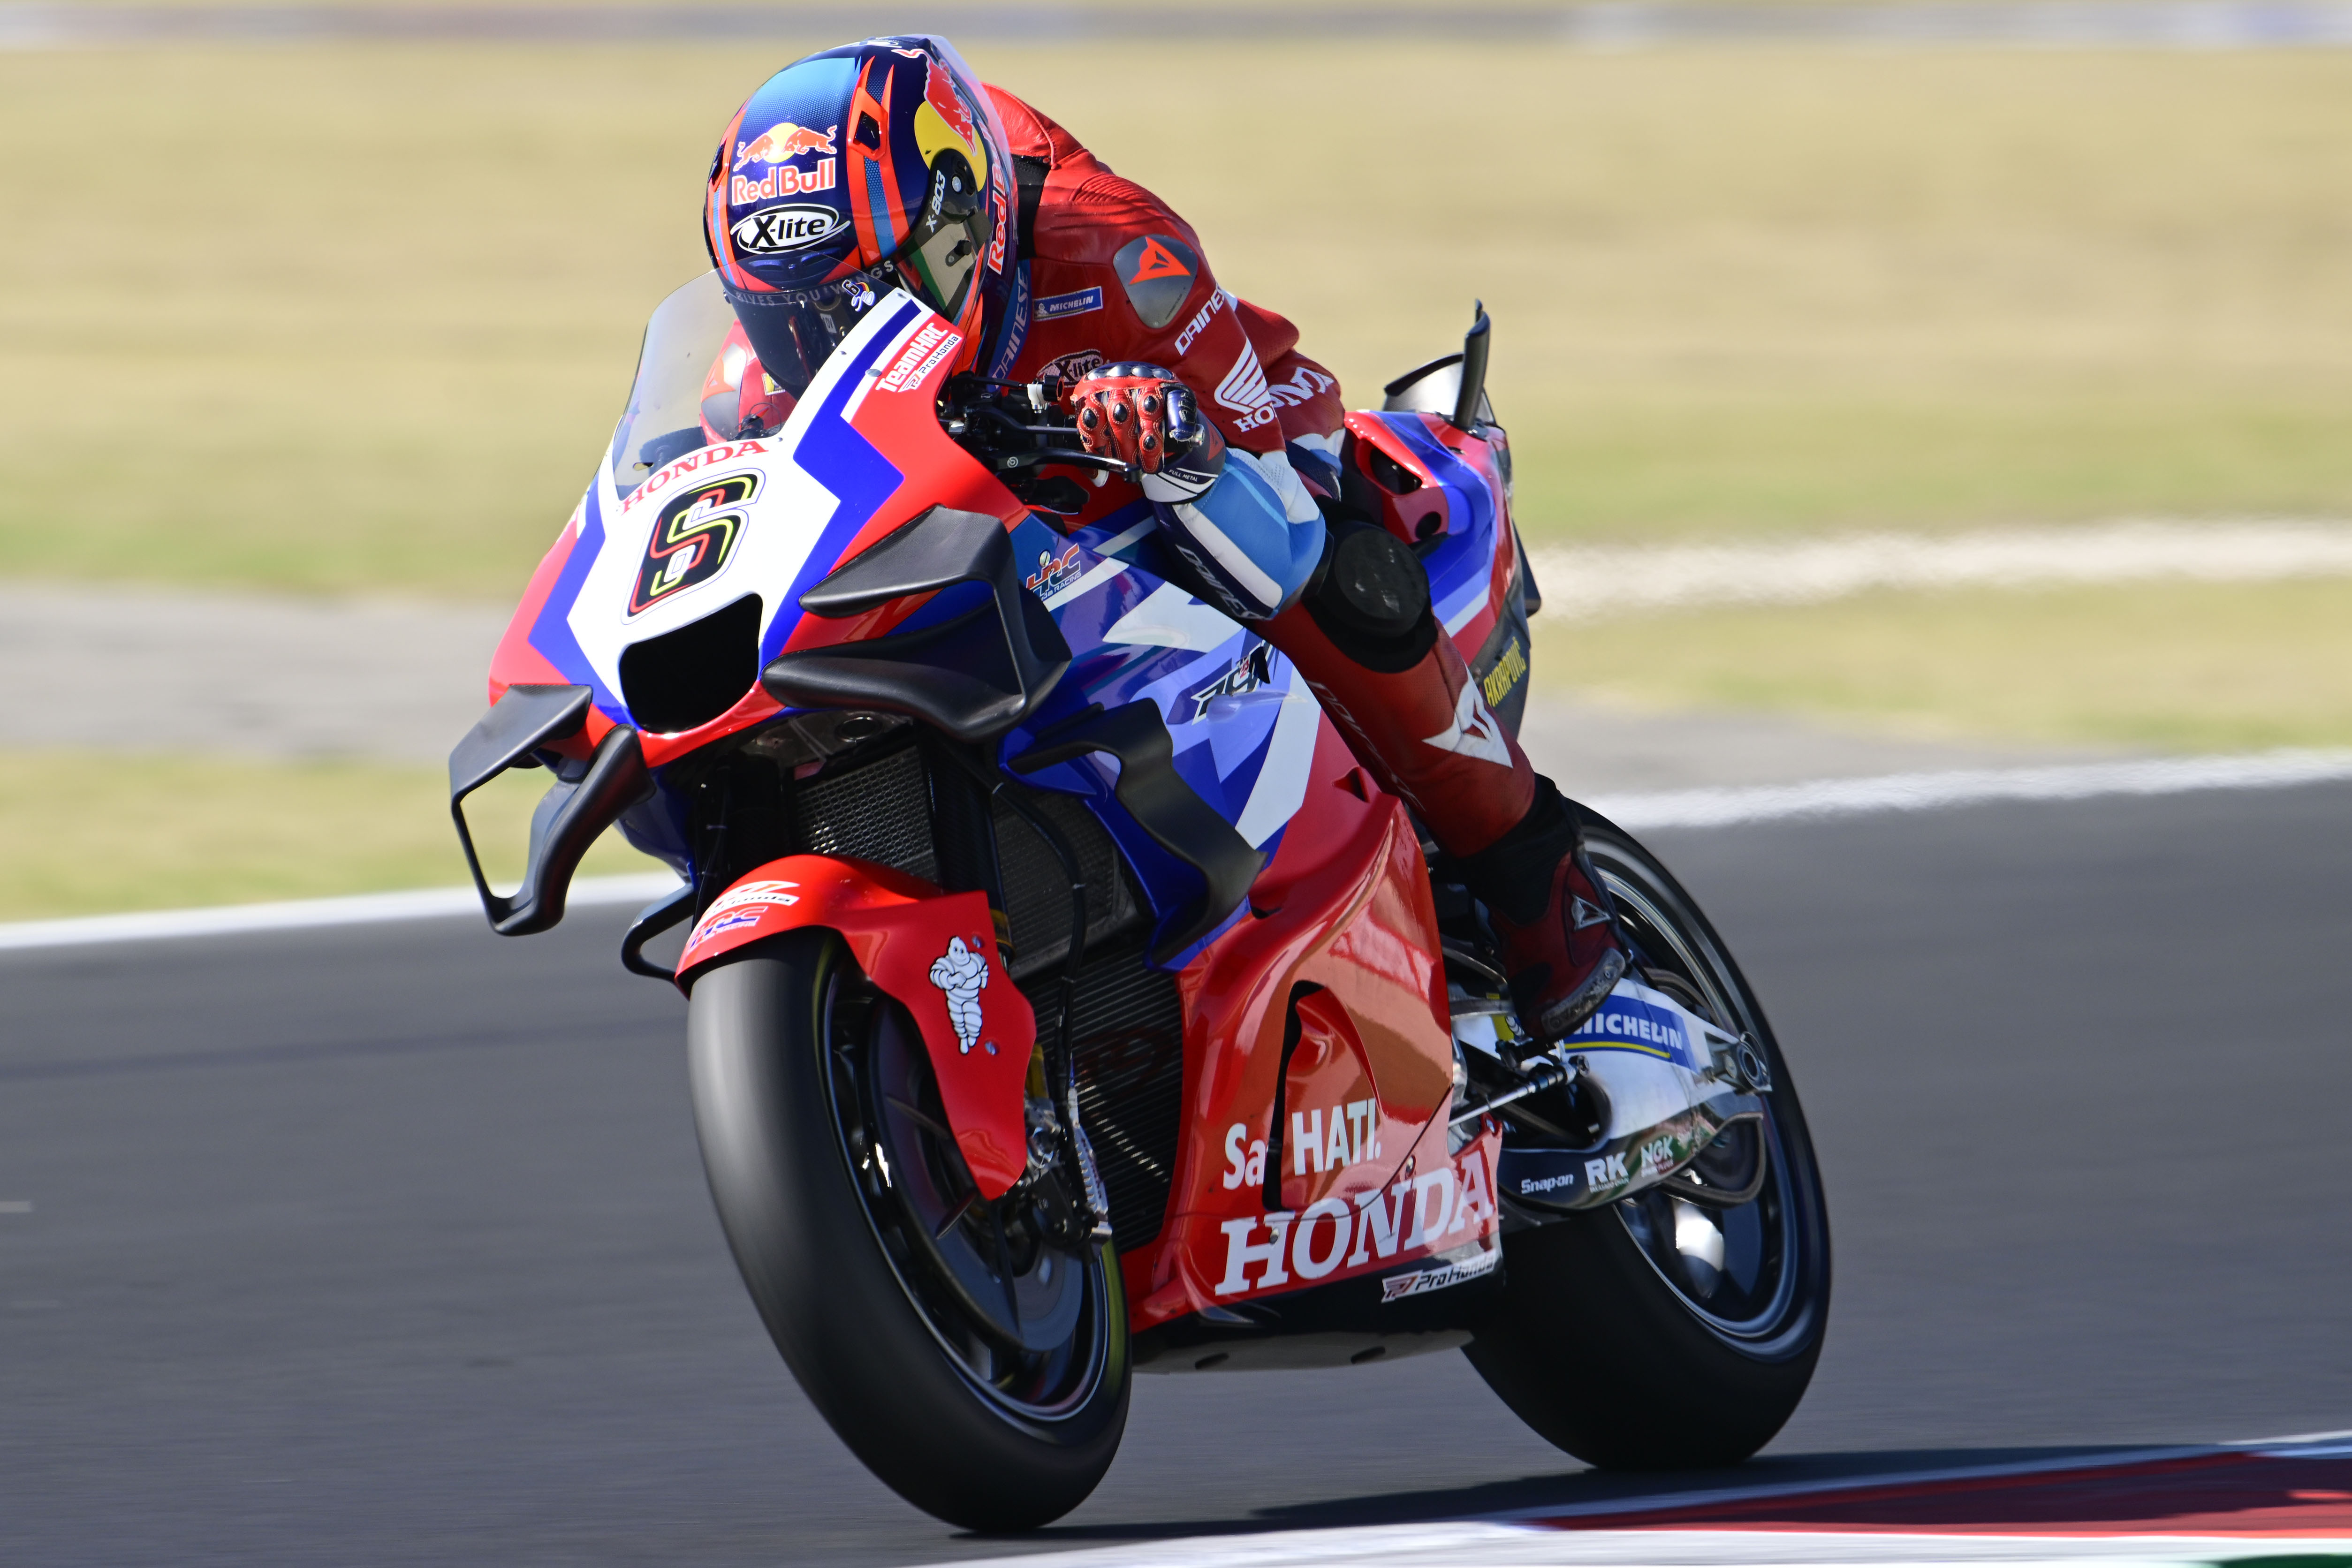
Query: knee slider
{"type": "Point", "coordinates": [1370, 596]}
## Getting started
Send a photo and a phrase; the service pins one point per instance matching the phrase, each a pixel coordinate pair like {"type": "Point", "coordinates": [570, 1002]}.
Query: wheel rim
{"type": "Point", "coordinates": [1739, 1271]}
{"type": "Point", "coordinates": [1025, 1321]}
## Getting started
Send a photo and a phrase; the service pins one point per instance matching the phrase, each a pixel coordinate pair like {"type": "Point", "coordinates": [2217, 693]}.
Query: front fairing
{"type": "Point", "coordinates": [679, 530]}
{"type": "Point", "coordinates": [682, 536]}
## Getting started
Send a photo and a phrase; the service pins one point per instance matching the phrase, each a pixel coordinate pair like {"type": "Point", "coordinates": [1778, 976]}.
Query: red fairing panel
{"type": "Point", "coordinates": [1346, 924]}
{"type": "Point", "coordinates": [935, 954]}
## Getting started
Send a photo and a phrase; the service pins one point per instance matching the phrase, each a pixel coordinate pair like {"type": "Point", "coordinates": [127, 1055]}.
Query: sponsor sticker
{"type": "Point", "coordinates": [1157, 271]}
{"type": "Point", "coordinates": [1053, 572]}
{"type": "Point", "coordinates": [1016, 325]}
{"type": "Point", "coordinates": [1304, 386]}
{"type": "Point", "coordinates": [1200, 322]}
{"type": "Point", "coordinates": [921, 355]}
{"type": "Point", "coordinates": [747, 905]}
{"type": "Point", "coordinates": [708, 456]}
{"type": "Point", "coordinates": [1416, 1213]}
{"type": "Point", "coordinates": [1420, 1282]}
{"type": "Point", "coordinates": [785, 139]}
{"type": "Point", "coordinates": [1629, 1020]}
{"type": "Point", "coordinates": [1054, 307]}
{"type": "Point", "coordinates": [1498, 682]}
{"type": "Point", "coordinates": [1070, 367]}
{"type": "Point", "coordinates": [1245, 1158]}
{"type": "Point", "coordinates": [1473, 732]}
{"type": "Point", "coordinates": [742, 190]}
{"type": "Point", "coordinates": [962, 974]}
{"type": "Point", "coordinates": [1244, 392]}
{"type": "Point", "coordinates": [1252, 670]}
{"type": "Point", "coordinates": [692, 538]}
{"type": "Point", "coordinates": [772, 231]}
{"type": "Point", "coordinates": [940, 92]}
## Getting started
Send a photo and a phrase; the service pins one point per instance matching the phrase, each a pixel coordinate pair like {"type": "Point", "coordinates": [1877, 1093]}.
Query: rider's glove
{"type": "Point", "coordinates": [1148, 420]}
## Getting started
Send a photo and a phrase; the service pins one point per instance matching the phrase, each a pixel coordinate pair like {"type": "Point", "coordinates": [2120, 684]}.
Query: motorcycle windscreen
{"type": "Point", "coordinates": [686, 346]}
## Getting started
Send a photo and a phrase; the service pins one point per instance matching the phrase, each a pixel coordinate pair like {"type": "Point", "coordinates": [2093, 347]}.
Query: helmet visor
{"type": "Point", "coordinates": [795, 331]}
{"type": "Point", "coordinates": [938, 266]}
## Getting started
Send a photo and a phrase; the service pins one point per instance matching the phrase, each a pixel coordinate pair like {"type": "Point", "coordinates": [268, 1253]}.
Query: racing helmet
{"type": "Point", "coordinates": [847, 174]}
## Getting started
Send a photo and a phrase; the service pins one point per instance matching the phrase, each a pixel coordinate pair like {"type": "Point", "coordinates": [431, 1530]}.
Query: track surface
{"type": "Point", "coordinates": [390, 1245]}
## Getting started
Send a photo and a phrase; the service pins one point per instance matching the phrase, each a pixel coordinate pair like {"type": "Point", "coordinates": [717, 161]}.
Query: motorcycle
{"type": "Point", "coordinates": [1063, 1001]}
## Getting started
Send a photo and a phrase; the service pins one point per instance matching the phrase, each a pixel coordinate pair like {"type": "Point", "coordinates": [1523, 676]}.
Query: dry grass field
{"type": "Point", "coordinates": [347, 318]}
{"type": "Point", "coordinates": [87, 833]}
{"type": "Point", "coordinates": [354, 318]}
{"type": "Point", "coordinates": [2167, 668]}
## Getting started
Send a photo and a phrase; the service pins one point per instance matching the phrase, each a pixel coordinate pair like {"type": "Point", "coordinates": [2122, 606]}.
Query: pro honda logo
{"type": "Point", "coordinates": [777, 229]}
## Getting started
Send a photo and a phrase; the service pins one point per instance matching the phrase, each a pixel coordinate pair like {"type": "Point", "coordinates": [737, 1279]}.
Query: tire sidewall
{"type": "Point", "coordinates": [1596, 1352]}
{"type": "Point", "coordinates": [828, 1292]}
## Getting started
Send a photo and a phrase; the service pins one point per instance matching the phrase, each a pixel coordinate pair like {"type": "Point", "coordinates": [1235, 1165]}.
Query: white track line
{"type": "Point", "coordinates": [1523, 1539]}
{"type": "Point", "coordinates": [308, 914]}
{"type": "Point", "coordinates": [1588, 583]}
{"type": "Point", "coordinates": [1935, 791]}
{"type": "Point", "coordinates": [1488, 1546]}
{"type": "Point", "coordinates": [1823, 798]}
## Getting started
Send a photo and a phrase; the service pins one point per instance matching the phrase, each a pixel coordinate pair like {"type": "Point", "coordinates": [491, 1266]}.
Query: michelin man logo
{"type": "Point", "coordinates": [960, 975]}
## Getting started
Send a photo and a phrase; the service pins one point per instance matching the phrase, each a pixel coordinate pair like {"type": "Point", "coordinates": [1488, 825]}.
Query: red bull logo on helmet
{"type": "Point", "coordinates": [782, 181]}
{"type": "Point", "coordinates": [938, 92]}
{"type": "Point", "coordinates": [774, 146]}
{"type": "Point", "coordinates": [782, 141]}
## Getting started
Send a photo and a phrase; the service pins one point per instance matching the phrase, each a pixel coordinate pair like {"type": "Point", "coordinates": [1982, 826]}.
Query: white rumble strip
{"type": "Point", "coordinates": [1820, 799]}
{"type": "Point", "coordinates": [1934, 791]}
{"type": "Point", "coordinates": [1587, 582]}
{"type": "Point", "coordinates": [1476, 1544]}
{"type": "Point", "coordinates": [307, 914]}
{"type": "Point", "coordinates": [2120, 1509]}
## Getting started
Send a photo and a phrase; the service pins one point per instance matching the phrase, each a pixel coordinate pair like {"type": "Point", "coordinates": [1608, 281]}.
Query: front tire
{"type": "Point", "coordinates": [1635, 1336]}
{"type": "Point", "coordinates": [822, 1139]}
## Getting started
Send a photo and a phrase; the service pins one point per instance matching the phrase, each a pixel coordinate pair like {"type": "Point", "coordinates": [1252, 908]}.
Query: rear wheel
{"type": "Point", "coordinates": [1664, 1332]}
{"type": "Point", "coordinates": [969, 1351]}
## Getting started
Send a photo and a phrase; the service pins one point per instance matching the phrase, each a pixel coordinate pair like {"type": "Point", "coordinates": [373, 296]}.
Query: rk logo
{"type": "Point", "coordinates": [692, 538]}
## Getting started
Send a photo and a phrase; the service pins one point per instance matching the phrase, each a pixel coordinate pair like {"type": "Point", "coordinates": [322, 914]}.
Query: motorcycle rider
{"type": "Point", "coordinates": [888, 164]}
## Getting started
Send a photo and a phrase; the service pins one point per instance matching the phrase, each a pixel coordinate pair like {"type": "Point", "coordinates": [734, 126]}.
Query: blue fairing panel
{"type": "Point", "coordinates": [1241, 719]}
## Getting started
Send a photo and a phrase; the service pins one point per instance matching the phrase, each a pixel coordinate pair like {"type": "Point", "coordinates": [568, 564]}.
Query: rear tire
{"type": "Point", "coordinates": [1615, 1339]}
{"type": "Point", "coordinates": [785, 1045]}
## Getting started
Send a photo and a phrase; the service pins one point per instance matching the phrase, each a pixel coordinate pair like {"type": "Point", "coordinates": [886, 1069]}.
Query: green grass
{"type": "Point", "coordinates": [2166, 668]}
{"type": "Point", "coordinates": [92, 834]}
{"type": "Point", "coordinates": [326, 318]}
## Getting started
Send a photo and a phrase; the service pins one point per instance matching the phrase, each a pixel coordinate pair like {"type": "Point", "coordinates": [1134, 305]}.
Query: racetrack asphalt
{"type": "Point", "coordinates": [390, 1245]}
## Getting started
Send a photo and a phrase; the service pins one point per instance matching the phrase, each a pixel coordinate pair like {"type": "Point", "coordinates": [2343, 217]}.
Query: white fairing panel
{"type": "Point", "coordinates": [781, 522]}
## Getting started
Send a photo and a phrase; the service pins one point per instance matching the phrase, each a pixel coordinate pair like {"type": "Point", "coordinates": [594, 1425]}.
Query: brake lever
{"type": "Point", "coordinates": [1073, 459]}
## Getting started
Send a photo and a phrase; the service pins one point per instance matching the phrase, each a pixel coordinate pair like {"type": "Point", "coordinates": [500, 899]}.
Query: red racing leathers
{"type": "Point", "coordinates": [1114, 275]}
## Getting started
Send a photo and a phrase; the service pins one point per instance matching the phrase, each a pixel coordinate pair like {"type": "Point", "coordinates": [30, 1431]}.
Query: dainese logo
{"type": "Point", "coordinates": [692, 538]}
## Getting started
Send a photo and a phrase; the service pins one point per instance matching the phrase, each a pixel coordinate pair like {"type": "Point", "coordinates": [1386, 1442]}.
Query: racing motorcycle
{"type": "Point", "coordinates": [1063, 998]}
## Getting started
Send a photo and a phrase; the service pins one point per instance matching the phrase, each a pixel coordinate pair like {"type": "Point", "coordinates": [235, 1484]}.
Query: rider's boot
{"type": "Point", "coordinates": [1364, 635]}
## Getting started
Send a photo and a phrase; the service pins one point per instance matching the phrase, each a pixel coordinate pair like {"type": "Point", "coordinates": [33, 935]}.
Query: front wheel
{"type": "Point", "coordinates": [973, 1357]}
{"type": "Point", "coordinates": [1661, 1332]}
